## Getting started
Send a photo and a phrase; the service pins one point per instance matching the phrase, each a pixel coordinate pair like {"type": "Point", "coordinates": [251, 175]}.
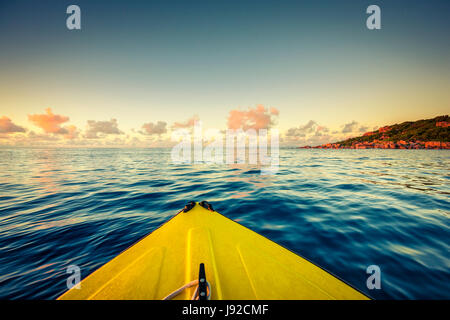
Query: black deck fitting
{"type": "Point", "coordinates": [202, 287]}
{"type": "Point", "coordinates": [189, 206]}
{"type": "Point", "coordinates": [206, 205]}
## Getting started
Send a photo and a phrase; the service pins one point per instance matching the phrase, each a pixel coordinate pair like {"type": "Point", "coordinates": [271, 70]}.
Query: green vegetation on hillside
{"type": "Point", "coordinates": [422, 130]}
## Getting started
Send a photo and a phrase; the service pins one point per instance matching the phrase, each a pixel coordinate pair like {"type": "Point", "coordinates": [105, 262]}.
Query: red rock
{"type": "Point", "coordinates": [432, 144]}
{"type": "Point", "coordinates": [384, 129]}
{"type": "Point", "coordinates": [443, 124]}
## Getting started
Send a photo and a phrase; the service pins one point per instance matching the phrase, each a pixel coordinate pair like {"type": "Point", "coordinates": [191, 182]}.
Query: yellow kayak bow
{"type": "Point", "coordinates": [237, 264]}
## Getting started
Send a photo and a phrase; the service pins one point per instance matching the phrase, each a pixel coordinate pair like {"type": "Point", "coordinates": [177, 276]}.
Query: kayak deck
{"type": "Point", "coordinates": [239, 264]}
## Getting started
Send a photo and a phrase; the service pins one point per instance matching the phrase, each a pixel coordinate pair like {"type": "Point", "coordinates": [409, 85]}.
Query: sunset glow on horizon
{"type": "Point", "coordinates": [130, 77]}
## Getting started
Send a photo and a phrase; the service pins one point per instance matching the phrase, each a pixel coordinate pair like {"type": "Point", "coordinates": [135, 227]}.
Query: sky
{"type": "Point", "coordinates": [137, 70]}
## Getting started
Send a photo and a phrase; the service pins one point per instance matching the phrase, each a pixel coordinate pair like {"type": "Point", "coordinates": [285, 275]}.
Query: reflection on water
{"type": "Point", "coordinates": [342, 209]}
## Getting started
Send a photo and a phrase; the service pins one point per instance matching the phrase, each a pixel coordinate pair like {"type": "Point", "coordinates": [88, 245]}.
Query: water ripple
{"type": "Point", "coordinates": [342, 209]}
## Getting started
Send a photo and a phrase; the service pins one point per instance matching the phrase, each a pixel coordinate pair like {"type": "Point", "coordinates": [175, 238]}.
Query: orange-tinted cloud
{"type": "Point", "coordinates": [187, 124]}
{"type": "Point", "coordinates": [253, 118]}
{"type": "Point", "coordinates": [49, 122]}
{"type": "Point", "coordinates": [274, 111]}
{"type": "Point", "coordinates": [7, 126]}
{"type": "Point", "coordinates": [72, 132]}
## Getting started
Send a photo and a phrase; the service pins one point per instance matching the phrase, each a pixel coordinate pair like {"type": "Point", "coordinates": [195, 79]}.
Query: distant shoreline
{"type": "Point", "coordinates": [416, 145]}
{"type": "Point", "coordinates": [429, 134]}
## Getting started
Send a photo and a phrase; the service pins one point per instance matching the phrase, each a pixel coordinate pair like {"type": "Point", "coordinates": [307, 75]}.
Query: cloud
{"type": "Point", "coordinates": [72, 132]}
{"type": "Point", "coordinates": [154, 128]}
{"type": "Point", "coordinates": [7, 126]}
{"type": "Point", "coordinates": [253, 118]}
{"type": "Point", "coordinates": [350, 127]}
{"type": "Point", "coordinates": [313, 134]}
{"type": "Point", "coordinates": [49, 122]}
{"type": "Point", "coordinates": [354, 127]}
{"type": "Point", "coordinates": [303, 131]}
{"type": "Point", "coordinates": [310, 133]}
{"type": "Point", "coordinates": [102, 127]}
{"type": "Point", "coordinates": [187, 124]}
{"type": "Point", "coordinates": [39, 137]}
{"type": "Point", "coordinates": [274, 111]}
{"type": "Point", "coordinates": [363, 129]}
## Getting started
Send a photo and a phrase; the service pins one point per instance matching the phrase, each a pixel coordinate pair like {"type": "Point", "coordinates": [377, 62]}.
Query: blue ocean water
{"type": "Point", "coordinates": [342, 209]}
